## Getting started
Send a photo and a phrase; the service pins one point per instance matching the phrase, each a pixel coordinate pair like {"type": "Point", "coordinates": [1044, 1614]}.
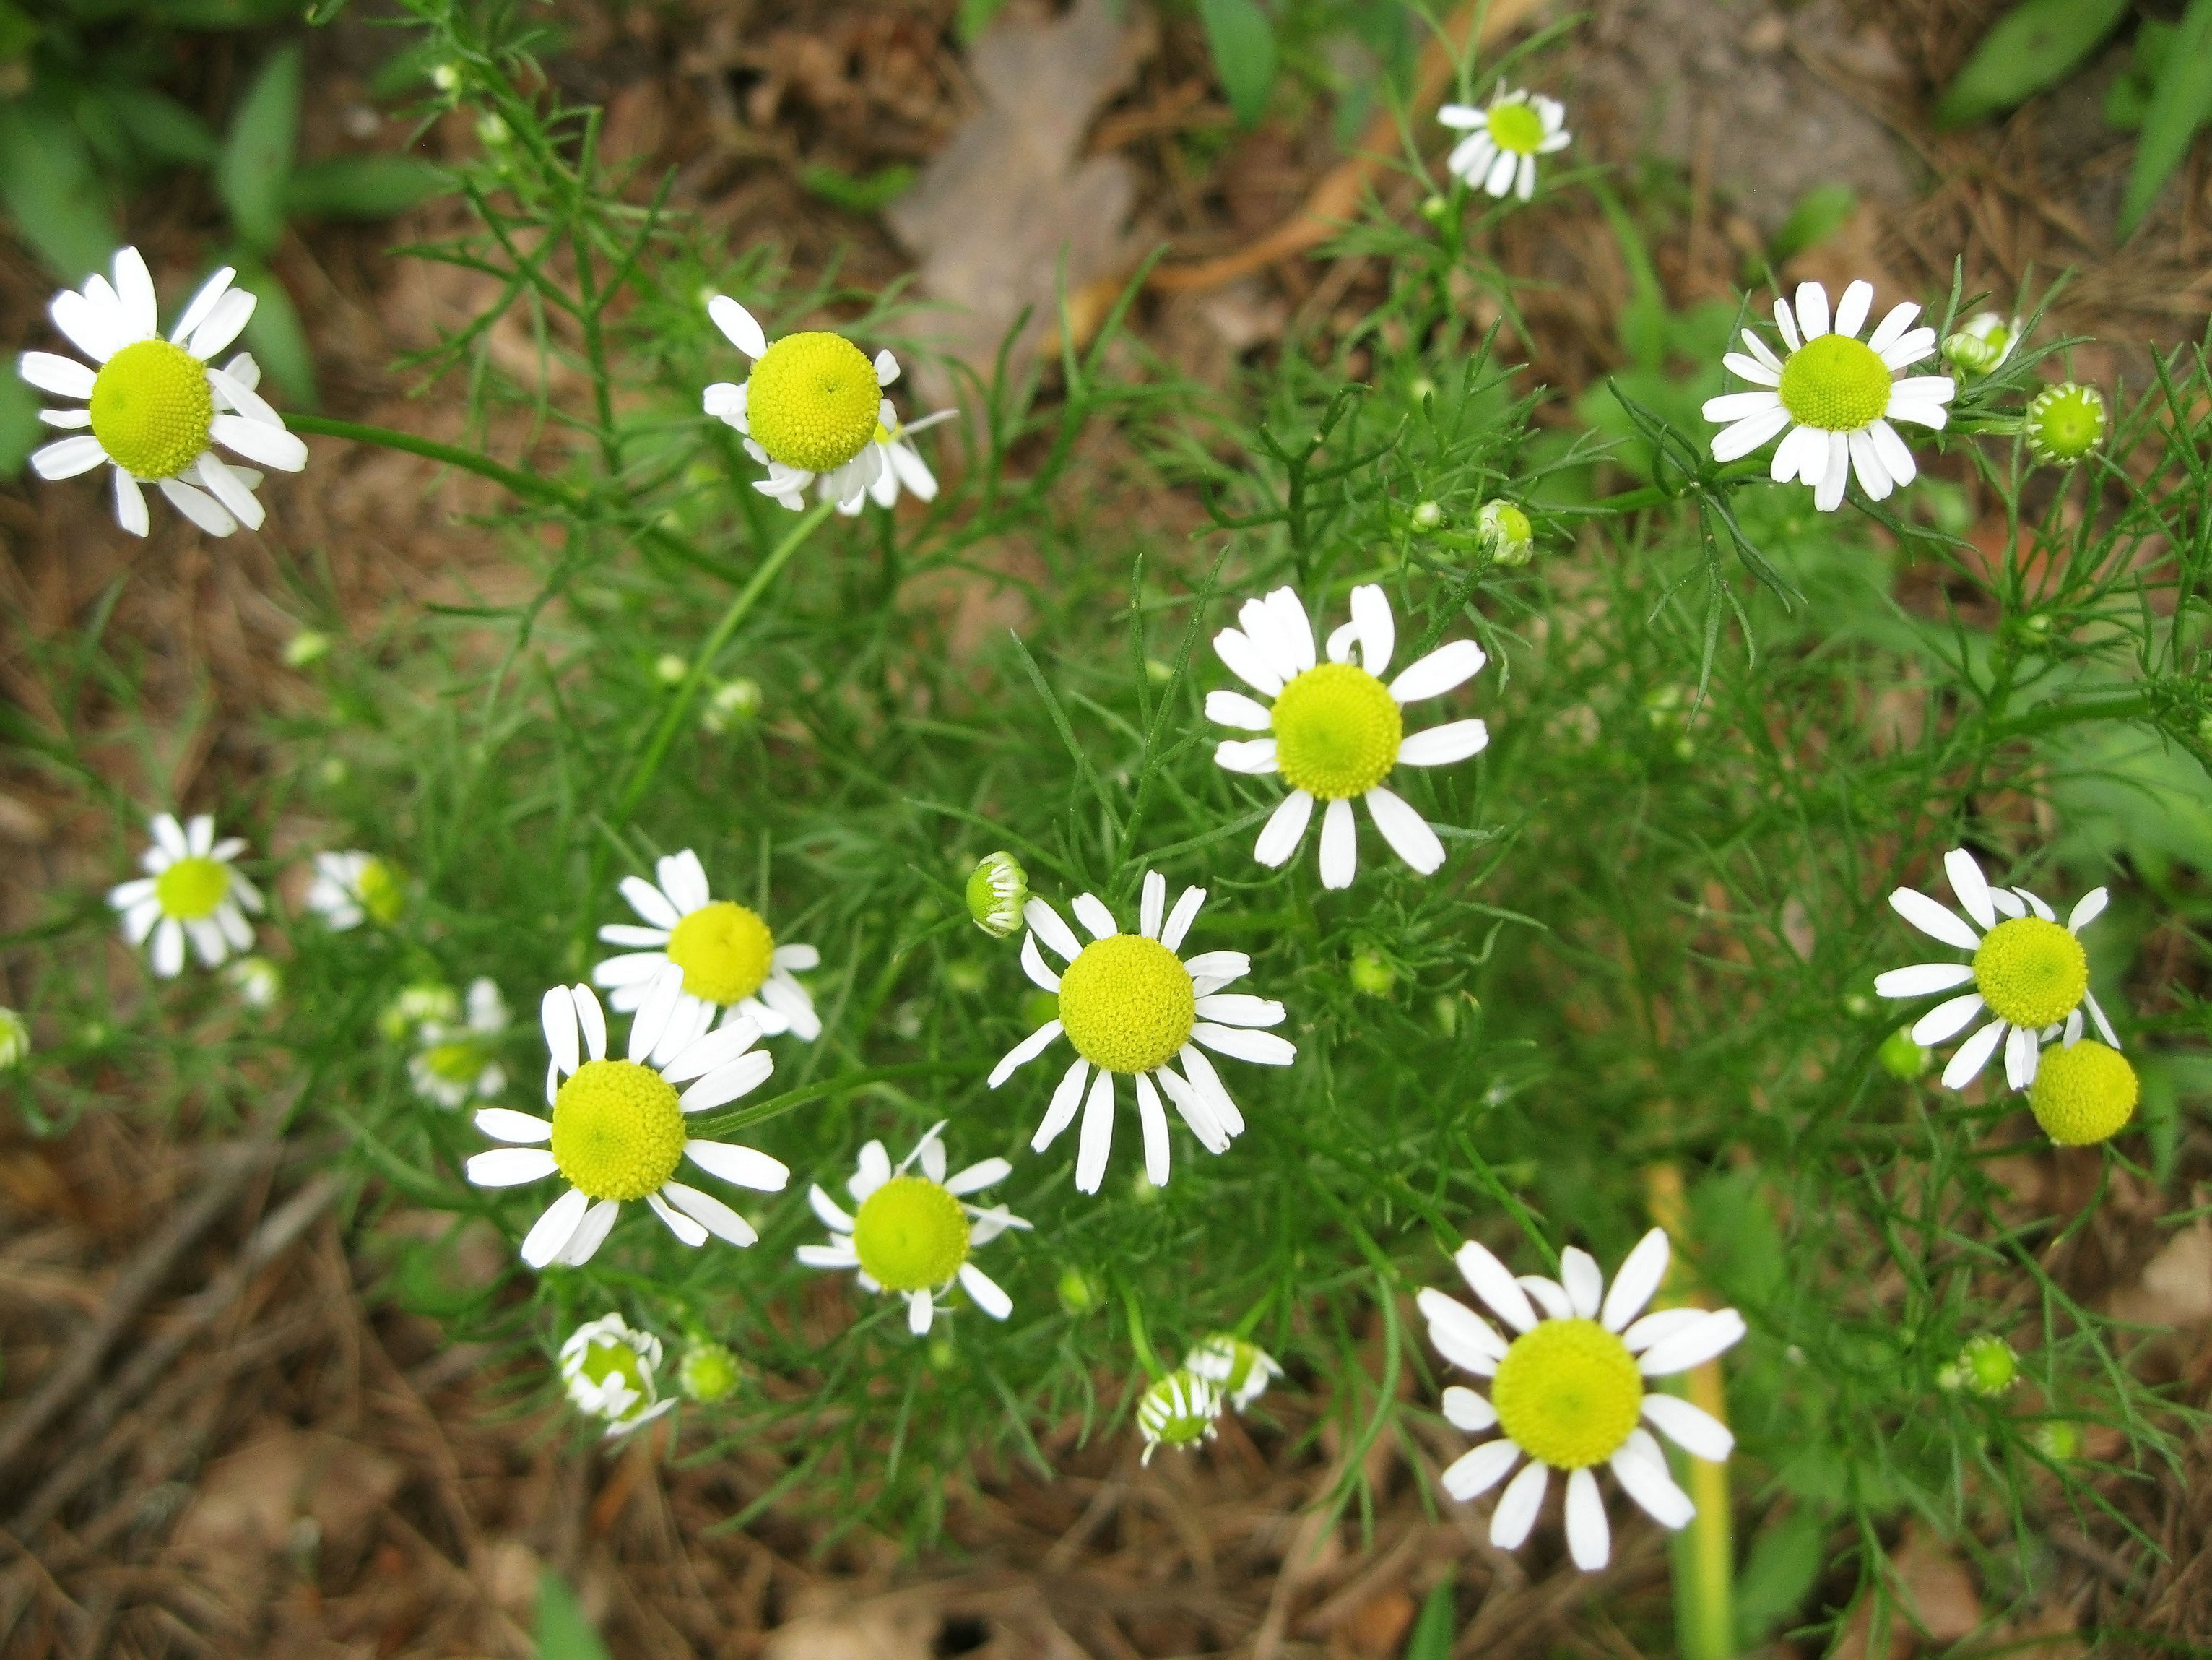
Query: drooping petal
{"type": "Point", "coordinates": [1339, 849]}
{"type": "Point", "coordinates": [1061, 1111]}
{"type": "Point", "coordinates": [1024, 1052]}
{"type": "Point", "coordinates": [1408, 833]}
{"type": "Point", "coordinates": [1285, 829]}
{"type": "Point", "coordinates": [1643, 1476]}
{"type": "Point", "coordinates": [130, 504]}
{"type": "Point", "coordinates": [1973, 1055]}
{"type": "Point", "coordinates": [1098, 1134]}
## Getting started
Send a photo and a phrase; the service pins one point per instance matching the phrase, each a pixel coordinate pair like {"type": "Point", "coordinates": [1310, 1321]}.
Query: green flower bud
{"type": "Point", "coordinates": [1080, 1292]}
{"type": "Point", "coordinates": [2060, 1439]}
{"type": "Point", "coordinates": [997, 891]}
{"type": "Point", "coordinates": [307, 646]}
{"type": "Point", "coordinates": [1370, 974]}
{"type": "Point", "coordinates": [670, 669]}
{"type": "Point", "coordinates": [1427, 516]}
{"type": "Point", "coordinates": [493, 130]}
{"type": "Point", "coordinates": [1158, 672]}
{"type": "Point", "coordinates": [1433, 207]}
{"type": "Point", "coordinates": [1982, 343]}
{"type": "Point", "coordinates": [1505, 533]}
{"type": "Point", "coordinates": [15, 1039]}
{"type": "Point", "coordinates": [730, 704]}
{"type": "Point", "coordinates": [607, 1368]}
{"type": "Point", "coordinates": [1177, 1411]}
{"type": "Point", "coordinates": [2064, 423]}
{"type": "Point", "coordinates": [258, 981]}
{"type": "Point", "coordinates": [1988, 1366]}
{"type": "Point", "coordinates": [708, 1373]}
{"type": "Point", "coordinates": [1901, 1057]}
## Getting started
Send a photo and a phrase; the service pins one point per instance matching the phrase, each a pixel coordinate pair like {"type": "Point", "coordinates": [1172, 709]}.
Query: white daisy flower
{"type": "Point", "coordinates": [1241, 1370]}
{"type": "Point", "coordinates": [1129, 1004]}
{"type": "Point", "coordinates": [1338, 729]}
{"type": "Point", "coordinates": [910, 1234]}
{"type": "Point", "coordinates": [1567, 1389]}
{"type": "Point", "coordinates": [811, 408]}
{"type": "Point", "coordinates": [156, 407]}
{"type": "Point", "coordinates": [456, 1066]}
{"type": "Point", "coordinates": [1179, 1410]}
{"type": "Point", "coordinates": [1841, 393]}
{"type": "Point", "coordinates": [901, 465]}
{"type": "Point", "coordinates": [351, 887]}
{"type": "Point", "coordinates": [607, 1366]}
{"type": "Point", "coordinates": [718, 956]}
{"type": "Point", "coordinates": [2027, 971]}
{"type": "Point", "coordinates": [617, 1132]}
{"type": "Point", "coordinates": [1500, 155]}
{"type": "Point", "coordinates": [191, 890]}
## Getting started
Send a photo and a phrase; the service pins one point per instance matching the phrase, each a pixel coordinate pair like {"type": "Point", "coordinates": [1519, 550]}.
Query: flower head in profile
{"type": "Point", "coordinates": [1337, 728]}
{"type": "Point", "coordinates": [812, 409]}
{"type": "Point", "coordinates": [156, 409]}
{"type": "Point", "coordinates": [911, 1231]}
{"type": "Point", "coordinates": [192, 891]}
{"type": "Point", "coordinates": [457, 1065]}
{"type": "Point", "coordinates": [901, 465]}
{"type": "Point", "coordinates": [1179, 1410]}
{"type": "Point", "coordinates": [717, 956]}
{"type": "Point", "coordinates": [1130, 1006]}
{"type": "Point", "coordinates": [1834, 395]}
{"type": "Point", "coordinates": [353, 887]}
{"type": "Point", "coordinates": [1568, 1389]}
{"type": "Point", "coordinates": [2027, 973]}
{"type": "Point", "coordinates": [1242, 1371]}
{"type": "Point", "coordinates": [617, 1131]}
{"type": "Point", "coordinates": [1504, 140]}
{"type": "Point", "coordinates": [607, 1366]}
{"type": "Point", "coordinates": [998, 889]}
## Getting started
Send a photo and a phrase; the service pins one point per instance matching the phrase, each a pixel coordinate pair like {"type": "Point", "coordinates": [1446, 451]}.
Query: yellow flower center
{"type": "Point", "coordinates": [910, 1234]}
{"type": "Point", "coordinates": [2083, 1095]}
{"type": "Point", "coordinates": [2031, 973]}
{"type": "Point", "coordinates": [1337, 731]}
{"type": "Point", "coordinates": [725, 951]}
{"type": "Point", "coordinates": [191, 888]}
{"type": "Point", "coordinates": [381, 894]}
{"type": "Point", "coordinates": [617, 1130]}
{"type": "Point", "coordinates": [1568, 1393]}
{"type": "Point", "coordinates": [1516, 127]}
{"type": "Point", "coordinates": [1835, 383]}
{"type": "Point", "coordinates": [1126, 1003]}
{"type": "Point", "coordinates": [151, 409]}
{"type": "Point", "coordinates": [2065, 422]}
{"type": "Point", "coordinates": [813, 401]}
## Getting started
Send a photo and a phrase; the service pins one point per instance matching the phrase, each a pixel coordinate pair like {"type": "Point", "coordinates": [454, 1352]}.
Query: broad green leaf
{"type": "Point", "coordinates": [163, 128]}
{"type": "Point", "coordinates": [273, 333]}
{"type": "Point", "coordinates": [52, 192]}
{"type": "Point", "coordinates": [1434, 1631]}
{"type": "Point", "coordinates": [2127, 101]}
{"type": "Point", "coordinates": [1243, 42]}
{"type": "Point", "coordinates": [1820, 214]}
{"type": "Point", "coordinates": [21, 429]}
{"type": "Point", "coordinates": [1784, 1563]}
{"type": "Point", "coordinates": [361, 186]}
{"type": "Point", "coordinates": [564, 1633]}
{"type": "Point", "coordinates": [2035, 45]}
{"type": "Point", "coordinates": [2180, 103]}
{"type": "Point", "coordinates": [257, 153]}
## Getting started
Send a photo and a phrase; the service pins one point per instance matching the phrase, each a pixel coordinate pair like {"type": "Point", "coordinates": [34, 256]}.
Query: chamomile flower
{"type": "Point", "coordinates": [1179, 1410]}
{"type": "Point", "coordinates": [1338, 729]}
{"type": "Point", "coordinates": [1242, 1371]}
{"type": "Point", "coordinates": [2028, 972]}
{"type": "Point", "coordinates": [157, 408]}
{"type": "Point", "coordinates": [617, 1132]}
{"type": "Point", "coordinates": [901, 465]}
{"type": "Point", "coordinates": [191, 890]}
{"type": "Point", "coordinates": [607, 1366]}
{"type": "Point", "coordinates": [1130, 1006]}
{"type": "Point", "coordinates": [911, 1234]}
{"type": "Point", "coordinates": [811, 408]}
{"type": "Point", "coordinates": [998, 889]}
{"type": "Point", "coordinates": [2084, 1093]}
{"type": "Point", "coordinates": [1504, 139]}
{"type": "Point", "coordinates": [718, 956]}
{"type": "Point", "coordinates": [456, 1066]}
{"type": "Point", "coordinates": [353, 887]}
{"type": "Point", "coordinates": [1835, 393]}
{"type": "Point", "coordinates": [1568, 1393]}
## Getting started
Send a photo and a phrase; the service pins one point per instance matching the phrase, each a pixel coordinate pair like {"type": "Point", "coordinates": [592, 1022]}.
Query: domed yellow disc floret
{"type": "Point", "coordinates": [151, 409]}
{"type": "Point", "coordinates": [1568, 1393]}
{"type": "Point", "coordinates": [1516, 127]}
{"type": "Point", "coordinates": [617, 1130]}
{"type": "Point", "coordinates": [1337, 731]}
{"type": "Point", "coordinates": [606, 1359]}
{"type": "Point", "coordinates": [813, 401]}
{"type": "Point", "coordinates": [1835, 383]}
{"type": "Point", "coordinates": [2031, 973]}
{"type": "Point", "coordinates": [1127, 1004]}
{"type": "Point", "coordinates": [724, 950]}
{"type": "Point", "coordinates": [191, 888]}
{"type": "Point", "coordinates": [2083, 1095]}
{"type": "Point", "coordinates": [910, 1234]}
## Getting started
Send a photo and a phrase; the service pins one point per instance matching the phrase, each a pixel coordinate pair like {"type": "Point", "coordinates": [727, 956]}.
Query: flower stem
{"type": "Point", "coordinates": [1704, 1553]}
{"type": "Point", "coordinates": [1138, 1339]}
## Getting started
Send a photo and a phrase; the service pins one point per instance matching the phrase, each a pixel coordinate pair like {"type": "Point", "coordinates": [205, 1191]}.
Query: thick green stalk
{"type": "Point", "coordinates": [1704, 1553]}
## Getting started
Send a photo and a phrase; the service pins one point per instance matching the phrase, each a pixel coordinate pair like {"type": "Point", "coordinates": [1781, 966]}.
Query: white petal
{"type": "Point", "coordinates": [1338, 647]}
{"type": "Point", "coordinates": [638, 968]}
{"type": "Point", "coordinates": [203, 302]}
{"type": "Point", "coordinates": [1339, 851]}
{"type": "Point", "coordinates": [2034, 903]}
{"type": "Point", "coordinates": [591, 1233]}
{"type": "Point", "coordinates": [1247, 661]}
{"type": "Point", "coordinates": [1378, 632]}
{"type": "Point", "coordinates": [984, 1292]}
{"type": "Point", "coordinates": [1033, 965]}
{"type": "Point", "coordinates": [1046, 923]}
{"type": "Point", "coordinates": [1948, 1020]}
{"type": "Point", "coordinates": [2104, 1026]}
{"type": "Point", "coordinates": [738, 326]}
{"type": "Point", "coordinates": [2020, 1049]}
{"type": "Point", "coordinates": [556, 1228]}
{"type": "Point", "coordinates": [1439, 746]}
{"type": "Point", "coordinates": [130, 504]}
{"type": "Point", "coordinates": [91, 329]}
{"type": "Point", "coordinates": [1720, 1330]}
{"type": "Point", "coordinates": [226, 320]}
{"type": "Point", "coordinates": [650, 1024]}
{"type": "Point", "coordinates": [1738, 405]}
{"type": "Point", "coordinates": [1692, 1428]}
{"type": "Point", "coordinates": [505, 1124]}
{"type": "Point", "coordinates": [682, 1226]}
{"type": "Point", "coordinates": [68, 457]}
{"type": "Point", "coordinates": [1589, 1541]}
{"type": "Point", "coordinates": [1187, 906]}
{"type": "Point", "coordinates": [1293, 627]}
{"type": "Point", "coordinates": [1207, 1082]}
{"type": "Point", "coordinates": [710, 1212]}
{"type": "Point", "coordinates": [1973, 1055]}
{"type": "Point", "coordinates": [684, 879]}
{"type": "Point", "coordinates": [1936, 921]}
{"type": "Point", "coordinates": [1098, 1134]}
{"type": "Point", "coordinates": [2087, 909]}
{"type": "Point", "coordinates": [840, 1255]}
{"type": "Point", "coordinates": [168, 949]}
{"type": "Point", "coordinates": [1285, 829]}
{"type": "Point", "coordinates": [1765, 353]}
{"type": "Point", "coordinates": [1196, 1110]}
{"type": "Point", "coordinates": [48, 371]}
{"type": "Point", "coordinates": [1812, 309]}
{"type": "Point", "coordinates": [1517, 1507]}
{"type": "Point", "coordinates": [1549, 1295]}
{"type": "Point", "coordinates": [228, 488]}
{"type": "Point", "coordinates": [714, 1050]}
{"type": "Point", "coordinates": [726, 1084]}
{"type": "Point", "coordinates": [1154, 1121]}
{"type": "Point", "coordinates": [1229, 708]}
{"type": "Point", "coordinates": [1638, 1277]}
{"type": "Point", "coordinates": [650, 903]}
{"type": "Point", "coordinates": [978, 1176]}
{"type": "Point", "coordinates": [1153, 908]}
{"type": "Point", "coordinates": [1252, 756]}
{"type": "Point", "coordinates": [557, 1015]}
{"type": "Point", "coordinates": [1585, 1282]}
{"type": "Point", "coordinates": [874, 1169]}
{"type": "Point", "coordinates": [1908, 349]}
{"type": "Point", "coordinates": [1239, 1009]}
{"type": "Point", "coordinates": [1024, 1052]}
{"type": "Point", "coordinates": [1802, 454]}
{"type": "Point", "coordinates": [1972, 888]}
{"type": "Point", "coordinates": [1851, 310]}
{"type": "Point", "coordinates": [1922, 978]}
{"type": "Point", "coordinates": [789, 999]}
{"type": "Point", "coordinates": [1448, 666]}
{"type": "Point", "coordinates": [1465, 1410]}
{"type": "Point", "coordinates": [1657, 1328]}
{"type": "Point", "coordinates": [1460, 1334]}
{"type": "Point", "coordinates": [1262, 1048]}
{"type": "Point", "coordinates": [628, 934]}
{"type": "Point", "coordinates": [1644, 1479]}
{"type": "Point", "coordinates": [1489, 1279]}
{"type": "Point", "coordinates": [1499, 179]}
{"type": "Point", "coordinates": [271, 446]}
{"type": "Point", "coordinates": [1894, 455]}
{"type": "Point", "coordinates": [1924, 389]}
{"type": "Point", "coordinates": [1477, 1471]}
{"type": "Point", "coordinates": [1066, 1097]}
{"type": "Point", "coordinates": [1219, 967]}
{"type": "Point", "coordinates": [745, 1166]}
{"type": "Point", "coordinates": [1753, 369]}
{"type": "Point", "coordinates": [1828, 493]}
{"type": "Point", "coordinates": [509, 1167]}
{"type": "Point", "coordinates": [1866, 461]}
{"type": "Point", "coordinates": [199, 506]}
{"type": "Point", "coordinates": [1406, 830]}
{"type": "Point", "coordinates": [1898, 318]}
{"type": "Point", "coordinates": [1733, 443]}
{"type": "Point", "coordinates": [833, 1216]}
{"type": "Point", "coordinates": [1920, 412]}
{"type": "Point", "coordinates": [1093, 915]}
